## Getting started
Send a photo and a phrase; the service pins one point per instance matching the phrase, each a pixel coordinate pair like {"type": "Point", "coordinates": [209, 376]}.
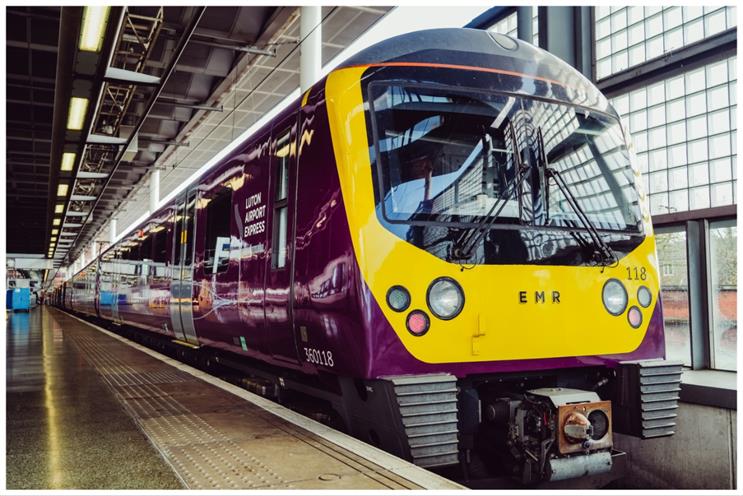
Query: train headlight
{"type": "Point", "coordinates": [398, 298]}
{"type": "Point", "coordinates": [644, 296]}
{"type": "Point", "coordinates": [614, 297]}
{"type": "Point", "coordinates": [600, 423]}
{"type": "Point", "coordinates": [445, 298]}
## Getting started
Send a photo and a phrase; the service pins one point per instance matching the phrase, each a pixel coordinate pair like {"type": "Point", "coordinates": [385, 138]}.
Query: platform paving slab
{"type": "Point", "coordinates": [65, 428]}
{"type": "Point", "coordinates": [161, 425]}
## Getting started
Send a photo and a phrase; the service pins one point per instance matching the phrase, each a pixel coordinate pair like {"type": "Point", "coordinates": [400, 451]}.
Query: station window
{"type": "Point", "coordinates": [629, 36]}
{"type": "Point", "coordinates": [280, 202]}
{"type": "Point", "coordinates": [671, 244]}
{"type": "Point", "coordinates": [217, 244]}
{"type": "Point", "coordinates": [724, 294]}
{"type": "Point", "coordinates": [508, 26]}
{"type": "Point", "coordinates": [684, 132]}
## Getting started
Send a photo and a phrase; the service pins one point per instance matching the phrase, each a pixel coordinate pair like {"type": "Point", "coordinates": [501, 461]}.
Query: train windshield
{"type": "Point", "coordinates": [448, 156]}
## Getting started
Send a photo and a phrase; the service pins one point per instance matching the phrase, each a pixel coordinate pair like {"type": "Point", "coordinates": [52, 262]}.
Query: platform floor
{"type": "Point", "coordinates": [87, 409]}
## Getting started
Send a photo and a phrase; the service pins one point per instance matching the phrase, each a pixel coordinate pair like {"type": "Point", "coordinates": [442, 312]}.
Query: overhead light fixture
{"type": "Point", "coordinates": [76, 115]}
{"type": "Point", "coordinates": [59, 208]}
{"type": "Point", "coordinates": [68, 161]}
{"type": "Point", "coordinates": [56, 221]}
{"type": "Point", "coordinates": [93, 30]}
{"type": "Point", "coordinates": [53, 239]}
{"type": "Point", "coordinates": [62, 189]}
{"type": "Point", "coordinates": [55, 231]}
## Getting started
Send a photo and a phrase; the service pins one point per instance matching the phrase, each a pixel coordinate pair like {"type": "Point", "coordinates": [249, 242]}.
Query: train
{"type": "Point", "coordinates": [446, 239]}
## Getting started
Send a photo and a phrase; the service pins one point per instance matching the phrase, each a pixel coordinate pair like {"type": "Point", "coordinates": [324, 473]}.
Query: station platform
{"type": "Point", "coordinates": [89, 409]}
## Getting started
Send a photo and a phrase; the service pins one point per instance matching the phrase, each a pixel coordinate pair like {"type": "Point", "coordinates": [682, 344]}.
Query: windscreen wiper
{"type": "Point", "coordinates": [463, 246]}
{"type": "Point", "coordinates": [602, 252]}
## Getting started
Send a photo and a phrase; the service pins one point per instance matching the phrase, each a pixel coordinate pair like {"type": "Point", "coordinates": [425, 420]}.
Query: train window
{"type": "Point", "coordinates": [449, 156]}
{"type": "Point", "coordinates": [136, 253]}
{"type": "Point", "coordinates": [282, 156]}
{"type": "Point", "coordinates": [217, 244]}
{"type": "Point", "coordinates": [160, 238]}
{"type": "Point", "coordinates": [279, 238]}
{"type": "Point", "coordinates": [178, 232]}
{"type": "Point", "coordinates": [146, 249]}
{"type": "Point", "coordinates": [132, 253]}
{"type": "Point", "coordinates": [188, 257]}
{"type": "Point", "coordinates": [283, 152]}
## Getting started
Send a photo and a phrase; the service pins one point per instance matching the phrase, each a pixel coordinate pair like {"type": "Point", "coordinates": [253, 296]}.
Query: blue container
{"type": "Point", "coordinates": [21, 299]}
{"type": "Point", "coordinates": [106, 298]}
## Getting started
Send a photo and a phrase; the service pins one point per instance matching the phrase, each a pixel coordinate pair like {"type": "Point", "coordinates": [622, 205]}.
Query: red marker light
{"type": "Point", "coordinates": [418, 322]}
{"type": "Point", "coordinates": [634, 316]}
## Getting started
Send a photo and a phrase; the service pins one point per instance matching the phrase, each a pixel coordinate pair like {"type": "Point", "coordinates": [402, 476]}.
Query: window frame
{"type": "Point", "coordinates": [696, 225]}
{"type": "Point", "coordinates": [280, 166]}
{"type": "Point", "coordinates": [220, 192]}
{"type": "Point", "coordinates": [711, 225]}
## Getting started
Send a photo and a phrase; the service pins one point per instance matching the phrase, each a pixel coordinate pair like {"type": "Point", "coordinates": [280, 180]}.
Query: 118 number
{"type": "Point", "coordinates": [637, 273]}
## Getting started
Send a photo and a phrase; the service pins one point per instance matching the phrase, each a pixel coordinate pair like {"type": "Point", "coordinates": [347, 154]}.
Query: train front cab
{"type": "Point", "coordinates": [535, 291]}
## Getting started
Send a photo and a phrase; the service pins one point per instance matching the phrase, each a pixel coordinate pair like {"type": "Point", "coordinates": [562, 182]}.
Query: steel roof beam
{"type": "Point", "coordinates": [226, 43]}
{"type": "Point", "coordinates": [33, 46]}
{"type": "Point", "coordinates": [174, 103]}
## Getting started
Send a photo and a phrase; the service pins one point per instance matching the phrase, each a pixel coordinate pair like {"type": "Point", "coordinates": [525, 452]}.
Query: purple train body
{"type": "Point", "coordinates": [256, 262]}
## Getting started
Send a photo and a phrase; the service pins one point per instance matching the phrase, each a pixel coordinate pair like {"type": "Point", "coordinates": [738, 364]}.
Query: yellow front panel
{"type": "Point", "coordinates": [493, 325]}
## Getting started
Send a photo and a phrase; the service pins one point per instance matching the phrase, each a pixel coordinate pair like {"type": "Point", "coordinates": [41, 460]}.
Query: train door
{"type": "Point", "coordinates": [181, 285]}
{"type": "Point", "coordinates": [280, 263]}
{"type": "Point", "coordinates": [217, 256]}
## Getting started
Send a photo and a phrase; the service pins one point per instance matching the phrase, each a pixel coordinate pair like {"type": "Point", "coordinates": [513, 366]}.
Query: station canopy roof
{"type": "Point", "coordinates": [165, 88]}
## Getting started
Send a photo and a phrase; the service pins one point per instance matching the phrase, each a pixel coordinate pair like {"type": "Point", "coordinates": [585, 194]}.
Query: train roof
{"type": "Point", "coordinates": [481, 49]}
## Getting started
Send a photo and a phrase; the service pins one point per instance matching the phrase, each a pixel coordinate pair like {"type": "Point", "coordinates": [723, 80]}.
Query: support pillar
{"type": "Point", "coordinates": [310, 51]}
{"type": "Point", "coordinates": [557, 32]}
{"type": "Point", "coordinates": [112, 231]}
{"type": "Point", "coordinates": [154, 190]}
{"type": "Point", "coordinates": [566, 33]}
{"type": "Point", "coordinates": [523, 23]}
